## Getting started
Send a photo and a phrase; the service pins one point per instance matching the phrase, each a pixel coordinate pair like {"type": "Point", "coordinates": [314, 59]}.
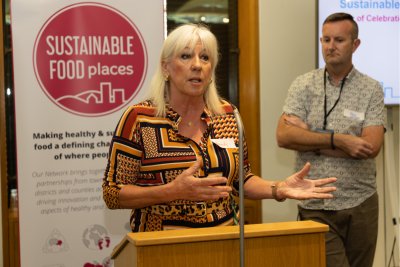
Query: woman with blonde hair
{"type": "Point", "coordinates": [174, 158]}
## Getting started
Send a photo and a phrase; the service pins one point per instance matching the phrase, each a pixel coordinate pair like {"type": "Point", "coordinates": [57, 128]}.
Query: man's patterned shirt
{"type": "Point", "coordinates": [360, 105]}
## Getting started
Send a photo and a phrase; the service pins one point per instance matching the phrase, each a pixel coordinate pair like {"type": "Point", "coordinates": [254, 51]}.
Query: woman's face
{"type": "Point", "coordinates": [189, 72]}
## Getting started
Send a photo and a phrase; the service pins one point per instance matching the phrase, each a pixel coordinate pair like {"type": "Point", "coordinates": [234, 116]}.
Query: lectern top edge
{"type": "Point", "coordinates": [221, 233]}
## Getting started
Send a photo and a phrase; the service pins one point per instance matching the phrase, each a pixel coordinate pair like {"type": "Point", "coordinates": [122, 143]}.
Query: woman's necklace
{"type": "Point", "coordinates": [190, 123]}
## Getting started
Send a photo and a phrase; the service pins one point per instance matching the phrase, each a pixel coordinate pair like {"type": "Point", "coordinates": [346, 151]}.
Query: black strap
{"type": "Point", "coordinates": [326, 114]}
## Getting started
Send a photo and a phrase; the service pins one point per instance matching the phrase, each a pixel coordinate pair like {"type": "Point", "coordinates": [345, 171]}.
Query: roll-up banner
{"type": "Point", "coordinates": [77, 67]}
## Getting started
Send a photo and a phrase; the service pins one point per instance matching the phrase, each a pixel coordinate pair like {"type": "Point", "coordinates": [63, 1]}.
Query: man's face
{"type": "Point", "coordinates": [337, 43]}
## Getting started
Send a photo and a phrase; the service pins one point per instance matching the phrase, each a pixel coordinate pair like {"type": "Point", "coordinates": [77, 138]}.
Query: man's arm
{"type": "Point", "coordinates": [366, 146]}
{"type": "Point", "coordinates": [293, 133]}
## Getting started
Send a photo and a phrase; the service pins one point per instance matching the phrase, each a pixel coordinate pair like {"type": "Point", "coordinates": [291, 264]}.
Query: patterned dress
{"type": "Point", "coordinates": [149, 151]}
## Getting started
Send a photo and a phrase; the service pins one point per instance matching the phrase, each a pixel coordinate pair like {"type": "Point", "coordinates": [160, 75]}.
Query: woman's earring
{"type": "Point", "coordinates": [166, 78]}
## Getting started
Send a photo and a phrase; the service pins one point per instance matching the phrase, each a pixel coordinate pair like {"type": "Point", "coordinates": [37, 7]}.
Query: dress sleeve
{"type": "Point", "coordinates": [246, 163]}
{"type": "Point", "coordinates": [124, 158]}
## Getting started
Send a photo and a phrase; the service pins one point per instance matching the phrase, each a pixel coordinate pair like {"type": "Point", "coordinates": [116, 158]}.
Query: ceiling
{"type": "Point", "coordinates": [206, 11]}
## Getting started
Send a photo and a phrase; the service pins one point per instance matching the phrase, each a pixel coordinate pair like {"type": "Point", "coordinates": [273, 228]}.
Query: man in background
{"type": "Point", "coordinates": [334, 118]}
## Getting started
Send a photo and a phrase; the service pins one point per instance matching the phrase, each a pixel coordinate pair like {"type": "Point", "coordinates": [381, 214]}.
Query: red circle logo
{"type": "Point", "coordinates": [90, 59]}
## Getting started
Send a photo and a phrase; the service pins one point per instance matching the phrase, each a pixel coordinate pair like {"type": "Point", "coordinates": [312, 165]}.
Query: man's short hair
{"type": "Point", "coordinates": [343, 16]}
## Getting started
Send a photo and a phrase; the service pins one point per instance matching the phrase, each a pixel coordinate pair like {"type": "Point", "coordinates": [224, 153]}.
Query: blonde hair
{"type": "Point", "coordinates": [186, 36]}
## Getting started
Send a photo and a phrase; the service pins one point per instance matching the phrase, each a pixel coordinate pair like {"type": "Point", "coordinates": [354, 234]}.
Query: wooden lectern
{"type": "Point", "coordinates": [291, 244]}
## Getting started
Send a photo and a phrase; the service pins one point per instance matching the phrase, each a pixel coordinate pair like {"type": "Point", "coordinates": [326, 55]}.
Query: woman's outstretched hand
{"type": "Point", "coordinates": [297, 187]}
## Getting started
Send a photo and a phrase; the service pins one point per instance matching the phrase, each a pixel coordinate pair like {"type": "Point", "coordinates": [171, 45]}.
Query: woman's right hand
{"type": "Point", "coordinates": [187, 186]}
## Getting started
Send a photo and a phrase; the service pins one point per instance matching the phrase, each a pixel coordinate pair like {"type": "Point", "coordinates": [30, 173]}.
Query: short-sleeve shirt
{"type": "Point", "coordinates": [360, 105]}
{"type": "Point", "coordinates": [147, 150]}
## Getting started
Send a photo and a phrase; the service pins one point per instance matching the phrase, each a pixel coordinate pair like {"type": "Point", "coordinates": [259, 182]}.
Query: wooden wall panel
{"type": "Point", "coordinates": [249, 97]}
{"type": "Point", "coordinates": [3, 155]}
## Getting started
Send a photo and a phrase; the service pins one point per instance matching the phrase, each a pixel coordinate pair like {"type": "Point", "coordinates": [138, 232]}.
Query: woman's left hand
{"type": "Point", "coordinates": [297, 187]}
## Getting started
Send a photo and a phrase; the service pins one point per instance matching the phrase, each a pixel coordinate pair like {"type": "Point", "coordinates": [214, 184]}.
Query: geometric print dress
{"type": "Point", "coordinates": [149, 151]}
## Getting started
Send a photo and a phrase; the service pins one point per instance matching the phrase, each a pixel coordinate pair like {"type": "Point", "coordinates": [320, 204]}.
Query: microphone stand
{"type": "Point", "coordinates": [241, 190]}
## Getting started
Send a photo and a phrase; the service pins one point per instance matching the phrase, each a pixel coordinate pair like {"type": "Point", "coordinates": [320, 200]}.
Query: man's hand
{"type": "Point", "coordinates": [295, 121]}
{"type": "Point", "coordinates": [354, 146]}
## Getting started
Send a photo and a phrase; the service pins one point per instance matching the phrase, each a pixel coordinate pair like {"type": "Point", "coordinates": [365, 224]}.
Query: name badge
{"type": "Point", "coordinates": [224, 143]}
{"type": "Point", "coordinates": [354, 115]}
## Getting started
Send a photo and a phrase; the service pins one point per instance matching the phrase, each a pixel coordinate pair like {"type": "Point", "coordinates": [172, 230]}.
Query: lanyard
{"type": "Point", "coordinates": [326, 114]}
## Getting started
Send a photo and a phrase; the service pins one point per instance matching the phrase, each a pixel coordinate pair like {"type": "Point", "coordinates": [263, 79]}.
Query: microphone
{"type": "Point", "coordinates": [241, 179]}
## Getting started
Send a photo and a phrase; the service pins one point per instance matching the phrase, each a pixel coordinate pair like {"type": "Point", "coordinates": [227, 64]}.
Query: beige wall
{"type": "Point", "coordinates": [287, 49]}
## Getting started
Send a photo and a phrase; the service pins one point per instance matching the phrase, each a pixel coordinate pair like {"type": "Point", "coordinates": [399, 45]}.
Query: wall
{"type": "Point", "coordinates": [391, 186]}
{"type": "Point", "coordinates": [288, 48]}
